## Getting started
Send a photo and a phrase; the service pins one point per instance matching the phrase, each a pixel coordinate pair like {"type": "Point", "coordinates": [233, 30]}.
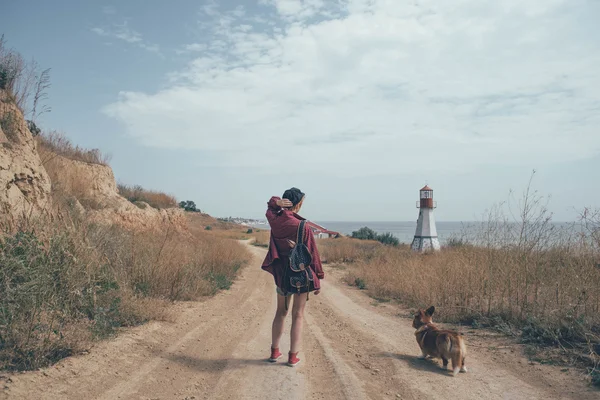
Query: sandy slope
{"type": "Point", "coordinates": [356, 349]}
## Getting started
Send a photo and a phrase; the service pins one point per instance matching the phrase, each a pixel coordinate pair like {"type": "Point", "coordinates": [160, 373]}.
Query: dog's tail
{"type": "Point", "coordinates": [458, 353]}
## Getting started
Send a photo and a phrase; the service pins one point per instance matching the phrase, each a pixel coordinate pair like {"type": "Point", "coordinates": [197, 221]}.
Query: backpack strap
{"type": "Point", "coordinates": [300, 236]}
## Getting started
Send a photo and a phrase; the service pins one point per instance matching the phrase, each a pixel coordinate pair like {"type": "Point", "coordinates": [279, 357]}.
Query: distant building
{"type": "Point", "coordinates": [321, 232]}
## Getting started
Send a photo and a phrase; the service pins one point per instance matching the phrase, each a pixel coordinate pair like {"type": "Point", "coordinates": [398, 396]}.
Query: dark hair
{"type": "Point", "coordinates": [294, 195]}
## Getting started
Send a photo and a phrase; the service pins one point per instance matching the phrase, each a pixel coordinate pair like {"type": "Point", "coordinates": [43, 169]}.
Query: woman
{"type": "Point", "coordinates": [282, 214]}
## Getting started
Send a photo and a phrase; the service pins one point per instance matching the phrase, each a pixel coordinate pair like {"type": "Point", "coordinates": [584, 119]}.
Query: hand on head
{"type": "Point", "coordinates": [285, 203]}
{"type": "Point", "coordinates": [292, 199]}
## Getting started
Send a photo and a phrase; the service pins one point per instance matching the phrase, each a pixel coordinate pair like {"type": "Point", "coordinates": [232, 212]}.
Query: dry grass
{"type": "Point", "coordinates": [54, 142]}
{"type": "Point", "coordinates": [69, 180]}
{"type": "Point", "coordinates": [549, 297]}
{"type": "Point", "coordinates": [64, 282]}
{"type": "Point", "coordinates": [471, 282]}
{"type": "Point", "coordinates": [154, 198]}
{"type": "Point", "coordinates": [522, 274]}
{"type": "Point", "coordinates": [261, 238]}
{"type": "Point", "coordinates": [348, 250]}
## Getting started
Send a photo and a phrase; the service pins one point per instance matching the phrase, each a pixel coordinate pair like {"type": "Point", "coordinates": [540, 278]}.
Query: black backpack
{"type": "Point", "coordinates": [298, 277]}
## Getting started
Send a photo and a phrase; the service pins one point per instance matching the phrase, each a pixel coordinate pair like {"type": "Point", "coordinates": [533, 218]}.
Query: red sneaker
{"type": "Point", "coordinates": [275, 355]}
{"type": "Point", "coordinates": [293, 359]}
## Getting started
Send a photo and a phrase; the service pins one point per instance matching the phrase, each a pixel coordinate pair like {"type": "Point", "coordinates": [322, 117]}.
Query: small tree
{"type": "Point", "coordinates": [365, 234]}
{"type": "Point", "coordinates": [188, 205]}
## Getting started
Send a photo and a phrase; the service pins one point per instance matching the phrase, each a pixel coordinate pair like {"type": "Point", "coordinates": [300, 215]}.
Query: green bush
{"type": "Point", "coordinates": [208, 228]}
{"type": "Point", "coordinates": [188, 205]}
{"type": "Point", "coordinates": [389, 239]}
{"type": "Point", "coordinates": [360, 283]}
{"type": "Point", "coordinates": [366, 233]}
{"type": "Point", "coordinates": [249, 231]}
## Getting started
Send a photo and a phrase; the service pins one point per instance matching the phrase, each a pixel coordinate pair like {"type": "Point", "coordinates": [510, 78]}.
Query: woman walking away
{"type": "Point", "coordinates": [294, 262]}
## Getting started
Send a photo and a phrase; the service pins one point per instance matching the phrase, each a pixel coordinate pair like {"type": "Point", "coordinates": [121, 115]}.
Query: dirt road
{"type": "Point", "coordinates": [355, 349]}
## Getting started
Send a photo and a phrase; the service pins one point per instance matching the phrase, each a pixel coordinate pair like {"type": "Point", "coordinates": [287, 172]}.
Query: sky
{"type": "Point", "coordinates": [359, 103]}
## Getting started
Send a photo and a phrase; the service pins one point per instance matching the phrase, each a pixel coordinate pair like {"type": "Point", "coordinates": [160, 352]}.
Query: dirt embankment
{"type": "Point", "coordinates": [32, 177]}
{"type": "Point", "coordinates": [24, 183]}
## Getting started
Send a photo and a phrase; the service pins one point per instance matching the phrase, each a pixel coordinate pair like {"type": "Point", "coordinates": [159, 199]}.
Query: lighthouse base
{"type": "Point", "coordinates": [425, 243]}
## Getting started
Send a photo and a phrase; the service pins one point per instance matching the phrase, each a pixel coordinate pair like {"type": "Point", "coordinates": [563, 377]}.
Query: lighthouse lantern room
{"type": "Point", "coordinates": [426, 238]}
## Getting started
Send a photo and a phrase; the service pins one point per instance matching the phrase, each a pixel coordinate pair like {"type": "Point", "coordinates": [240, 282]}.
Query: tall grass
{"type": "Point", "coordinates": [348, 250]}
{"type": "Point", "coordinates": [261, 238]}
{"type": "Point", "coordinates": [69, 180]}
{"type": "Point", "coordinates": [156, 199]}
{"type": "Point", "coordinates": [65, 281]}
{"type": "Point", "coordinates": [55, 143]}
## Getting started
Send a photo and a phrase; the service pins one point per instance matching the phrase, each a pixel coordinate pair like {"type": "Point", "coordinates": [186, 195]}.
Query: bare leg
{"type": "Point", "coordinates": [278, 322]}
{"type": "Point", "coordinates": [297, 318]}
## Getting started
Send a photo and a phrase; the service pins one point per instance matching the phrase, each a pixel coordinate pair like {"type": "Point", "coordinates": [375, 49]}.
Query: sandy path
{"type": "Point", "coordinates": [216, 349]}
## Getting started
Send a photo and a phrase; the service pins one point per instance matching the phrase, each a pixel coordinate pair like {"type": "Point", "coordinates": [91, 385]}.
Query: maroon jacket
{"type": "Point", "coordinates": [284, 226]}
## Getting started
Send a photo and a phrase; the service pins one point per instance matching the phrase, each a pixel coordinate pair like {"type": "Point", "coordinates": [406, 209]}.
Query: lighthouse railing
{"type": "Point", "coordinates": [419, 204]}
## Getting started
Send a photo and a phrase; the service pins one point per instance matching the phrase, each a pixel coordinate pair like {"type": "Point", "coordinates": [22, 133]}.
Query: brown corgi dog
{"type": "Point", "coordinates": [434, 342]}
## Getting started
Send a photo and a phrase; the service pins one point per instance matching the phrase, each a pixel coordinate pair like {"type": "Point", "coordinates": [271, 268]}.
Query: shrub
{"type": "Point", "coordinates": [153, 198]}
{"type": "Point", "coordinates": [360, 283]}
{"type": "Point", "coordinates": [188, 205]}
{"type": "Point", "coordinates": [208, 228]}
{"type": "Point", "coordinates": [365, 233]}
{"type": "Point", "coordinates": [249, 231]}
{"type": "Point", "coordinates": [8, 123]}
{"type": "Point", "coordinates": [388, 239]}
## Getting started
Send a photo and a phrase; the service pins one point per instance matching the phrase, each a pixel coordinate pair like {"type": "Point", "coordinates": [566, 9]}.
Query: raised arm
{"type": "Point", "coordinates": [274, 207]}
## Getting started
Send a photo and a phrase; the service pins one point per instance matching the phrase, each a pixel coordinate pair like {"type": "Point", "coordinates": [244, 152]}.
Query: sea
{"type": "Point", "coordinates": [403, 230]}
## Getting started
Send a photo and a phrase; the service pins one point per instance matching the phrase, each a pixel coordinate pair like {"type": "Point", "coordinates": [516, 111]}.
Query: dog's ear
{"type": "Point", "coordinates": [430, 311]}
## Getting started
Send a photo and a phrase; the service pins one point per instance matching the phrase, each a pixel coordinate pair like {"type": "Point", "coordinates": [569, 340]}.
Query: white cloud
{"type": "Point", "coordinates": [125, 33]}
{"type": "Point", "coordinates": [375, 85]}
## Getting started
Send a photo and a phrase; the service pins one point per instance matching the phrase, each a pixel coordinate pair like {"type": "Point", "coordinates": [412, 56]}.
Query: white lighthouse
{"type": "Point", "coordinates": [426, 234]}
